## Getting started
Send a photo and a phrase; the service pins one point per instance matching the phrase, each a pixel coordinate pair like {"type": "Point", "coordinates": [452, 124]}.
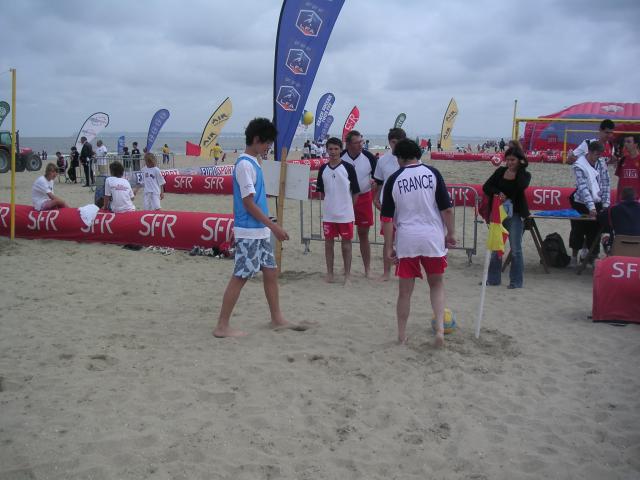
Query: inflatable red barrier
{"type": "Point", "coordinates": [180, 230]}
{"type": "Point", "coordinates": [616, 283]}
{"type": "Point", "coordinates": [199, 184]}
{"type": "Point", "coordinates": [494, 158]}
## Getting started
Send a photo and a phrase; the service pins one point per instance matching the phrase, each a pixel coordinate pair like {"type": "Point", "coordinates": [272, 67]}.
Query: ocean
{"type": "Point", "coordinates": [176, 141]}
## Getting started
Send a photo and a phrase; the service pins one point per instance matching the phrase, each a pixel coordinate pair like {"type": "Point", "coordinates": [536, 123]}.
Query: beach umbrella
{"type": "Point", "coordinates": [496, 239]}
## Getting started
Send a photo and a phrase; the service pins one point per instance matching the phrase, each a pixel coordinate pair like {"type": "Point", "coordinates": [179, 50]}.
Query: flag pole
{"type": "Point", "coordinates": [485, 276]}
{"type": "Point", "coordinates": [280, 207]}
{"type": "Point", "coordinates": [12, 229]}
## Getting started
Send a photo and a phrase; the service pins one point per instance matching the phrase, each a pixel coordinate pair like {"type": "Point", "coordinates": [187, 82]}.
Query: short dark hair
{"type": "Point", "coordinates": [607, 123]}
{"type": "Point", "coordinates": [263, 128]}
{"type": "Point", "coordinates": [351, 134]}
{"type": "Point", "coordinates": [519, 154]}
{"type": "Point", "coordinates": [116, 169]}
{"type": "Point", "coordinates": [83, 138]}
{"type": "Point", "coordinates": [396, 134]}
{"type": "Point", "coordinates": [636, 138]}
{"type": "Point", "coordinates": [134, 143]}
{"type": "Point", "coordinates": [334, 141]}
{"type": "Point", "coordinates": [595, 147]}
{"type": "Point", "coordinates": [628, 194]}
{"type": "Point", "coordinates": [58, 153]}
{"type": "Point", "coordinates": [407, 149]}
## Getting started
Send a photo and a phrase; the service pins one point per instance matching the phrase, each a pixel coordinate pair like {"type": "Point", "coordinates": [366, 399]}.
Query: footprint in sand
{"type": "Point", "coordinates": [100, 362]}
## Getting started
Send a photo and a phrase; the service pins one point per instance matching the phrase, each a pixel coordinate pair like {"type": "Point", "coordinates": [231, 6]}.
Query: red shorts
{"type": "Point", "coordinates": [410, 267]}
{"type": "Point", "coordinates": [333, 230]}
{"type": "Point", "coordinates": [363, 209]}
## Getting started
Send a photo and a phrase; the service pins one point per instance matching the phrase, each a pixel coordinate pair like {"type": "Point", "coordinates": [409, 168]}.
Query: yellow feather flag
{"type": "Point", "coordinates": [213, 127]}
{"type": "Point", "coordinates": [497, 233]}
{"type": "Point", "coordinates": [447, 125]}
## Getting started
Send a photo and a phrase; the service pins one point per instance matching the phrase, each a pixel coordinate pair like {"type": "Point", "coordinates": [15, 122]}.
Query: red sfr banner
{"type": "Point", "coordinates": [180, 230]}
{"type": "Point", "coordinates": [616, 283]}
{"type": "Point", "coordinates": [198, 184]}
{"type": "Point", "coordinates": [495, 158]}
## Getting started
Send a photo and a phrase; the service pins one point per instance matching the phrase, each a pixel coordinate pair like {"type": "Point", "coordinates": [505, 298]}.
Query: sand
{"type": "Point", "coordinates": [108, 369]}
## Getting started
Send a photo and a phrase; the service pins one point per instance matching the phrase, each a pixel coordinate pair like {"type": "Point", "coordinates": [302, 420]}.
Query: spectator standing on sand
{"type": "Point", "coordinates": [101, 158]}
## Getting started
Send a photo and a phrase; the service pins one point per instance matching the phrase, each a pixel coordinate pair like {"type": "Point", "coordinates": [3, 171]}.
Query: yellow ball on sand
{"type": "Point", "coordinates": [449, 322]}
{"type": "Point", "coordinates": [307, 118]}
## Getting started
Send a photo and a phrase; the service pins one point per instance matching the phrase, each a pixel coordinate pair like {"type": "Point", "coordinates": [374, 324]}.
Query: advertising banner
{"type": "Point", "coordinates": [400, 120]}
{"type": "Point", "coordinates": [121, 145]}
{"type": "Point", "coordinates": [180, 230]}
{"type": "Point", "coordinates": [324, 133]}
{"type": "Point", "coordinates": [447, 125]}
{"type": "Point", "coordinates": [304, 29]}
{"type": "Point", "coordinates": [91, 127]}
{"type": "Point", "coordinates": [213, 127]}
{"type": "Point", "coordinates": [158, 120]}
{"type": "Point", "coordinates": [322, 115]}
{"type": "Point", "coordinates": [350, 122]}
{"type": "Point", "coordinates": [4, 111]}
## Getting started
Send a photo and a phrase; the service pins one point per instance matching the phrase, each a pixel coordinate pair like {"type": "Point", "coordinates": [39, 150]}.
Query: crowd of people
{"type": "Point", "coordinates": [413, 204]}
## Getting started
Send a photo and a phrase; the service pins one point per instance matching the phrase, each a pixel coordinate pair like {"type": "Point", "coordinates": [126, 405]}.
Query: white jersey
{"type": "Point", "coordinates": [365, 165]}
{"type": "Point", "coordinates": [338, 184]}
{"type": "Point", "coordinates": [119, 189]}
{"type": "Point", "coordinates": [414, 196]}
{"type": "Point", "coordinates": [152, 180]}
{"type": "Point", "coordinates": [40, 192]}
{"type": "Point", "coordinates": [387, 165]}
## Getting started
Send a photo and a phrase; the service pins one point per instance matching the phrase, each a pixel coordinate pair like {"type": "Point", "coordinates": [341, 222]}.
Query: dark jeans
{"type": "Point", "coordinates": [88, 173]}
{"type": "Point", "coordinates": [583, 232]}
{"type": "Point", "coordinates": [515, 225]}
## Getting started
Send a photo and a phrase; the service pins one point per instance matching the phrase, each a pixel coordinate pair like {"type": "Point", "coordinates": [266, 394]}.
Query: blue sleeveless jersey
{"type": "Point", "coordinates": [241, 217]}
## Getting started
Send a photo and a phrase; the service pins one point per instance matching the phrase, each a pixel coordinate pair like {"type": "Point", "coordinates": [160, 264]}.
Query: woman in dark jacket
{"type": "Point", "coordinates": [74, 163]}
{"type": "Point", "coordinates": [509, 183]}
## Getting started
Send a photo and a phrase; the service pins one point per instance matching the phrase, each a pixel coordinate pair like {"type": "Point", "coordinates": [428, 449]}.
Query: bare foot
{"type": "Point", "coordinates": [384, 277]}
{"type": "Point", "coordinates": [439, 341]}
{"type": "Point", "coordinates": [328, 278]}
{"type": "Point", "coordinates": [347, 280]}
{"type": "Point", "coordinates": [222, 332]}
{"type": "Point", "coordinates": [403, 341]}
{"type": "Point", "coordinates": [367, 274]}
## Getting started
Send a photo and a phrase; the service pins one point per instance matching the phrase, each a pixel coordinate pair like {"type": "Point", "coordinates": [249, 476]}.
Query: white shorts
{"type": "Point", "coordinates": [151, 201]}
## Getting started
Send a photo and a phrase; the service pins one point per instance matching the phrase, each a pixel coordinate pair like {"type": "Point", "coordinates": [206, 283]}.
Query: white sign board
{"type": "Point", "coordinates": [297, 184]}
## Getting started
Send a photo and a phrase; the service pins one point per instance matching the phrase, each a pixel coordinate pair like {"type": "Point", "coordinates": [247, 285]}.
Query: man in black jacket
{"type": "Point", "coordinates": [86, 159]}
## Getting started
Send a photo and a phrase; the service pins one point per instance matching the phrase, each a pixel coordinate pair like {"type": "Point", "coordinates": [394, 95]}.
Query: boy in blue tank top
{"type": "Point", "coordinates": [252, 227]}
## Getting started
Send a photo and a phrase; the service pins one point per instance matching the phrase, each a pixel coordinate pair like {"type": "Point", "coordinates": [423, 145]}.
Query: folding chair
{"type": "Point", "coordinates": [626, 246]}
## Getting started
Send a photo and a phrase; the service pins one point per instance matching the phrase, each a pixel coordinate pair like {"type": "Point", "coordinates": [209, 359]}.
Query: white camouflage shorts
{"type": "Point", "coordinates": [252, 255]}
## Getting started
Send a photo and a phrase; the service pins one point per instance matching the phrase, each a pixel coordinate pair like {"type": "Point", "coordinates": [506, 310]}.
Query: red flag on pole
{"type": "Point", "coordinates": [192, 149]}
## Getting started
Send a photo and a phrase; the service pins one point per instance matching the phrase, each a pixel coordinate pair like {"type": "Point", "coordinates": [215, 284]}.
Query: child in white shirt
{"type": "Point", "coordinates": [152, 182]}
{"type": "Point", "coordinates": [117, 191]}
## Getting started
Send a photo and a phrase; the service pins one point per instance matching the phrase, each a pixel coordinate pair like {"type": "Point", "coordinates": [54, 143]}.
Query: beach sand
{"type": "Point", "coordinates": [108, 369]}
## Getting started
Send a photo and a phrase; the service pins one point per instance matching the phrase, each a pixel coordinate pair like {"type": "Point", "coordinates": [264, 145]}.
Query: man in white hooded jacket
{"type": "Point", "coordinates": [593, 193]}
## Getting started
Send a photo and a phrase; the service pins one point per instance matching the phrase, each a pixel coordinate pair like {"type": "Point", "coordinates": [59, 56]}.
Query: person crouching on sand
{"type": "Point", "coordinates": [253, 249]}
{"type": "Point", "coordinates": [42, 190]}
{"type": "Point", "coordinates": [416, 201]}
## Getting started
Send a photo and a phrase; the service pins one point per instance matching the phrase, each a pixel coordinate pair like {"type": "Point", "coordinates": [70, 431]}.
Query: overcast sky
{"type": "Point", "coordinates": [129, 58]}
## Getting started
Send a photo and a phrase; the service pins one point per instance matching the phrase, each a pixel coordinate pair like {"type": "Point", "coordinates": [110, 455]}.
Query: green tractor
{"type": "Point", "coordinates": [25, 157]}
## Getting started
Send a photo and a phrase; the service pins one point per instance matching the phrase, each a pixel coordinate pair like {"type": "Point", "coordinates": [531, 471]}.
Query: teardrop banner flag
{"type": "Point", "coordinates": [91, 127]}
{"type": "Point", "coordinates": [350, 122]}
{"type": "Point", "coordinates": [400, 120]}
{"type": "Point", "coordinates": [324, 133]}
{"type": "Point", "coordinates": [322, 112]}
{"type": "Point", "coordinates": [158, 120]}
{"type": "Point", "coordinates": [447, 125]}
{"type": "Point", "coordinates": [303, 32]}
{"type": "Point", "coordinates": [214, 126]}
{"type": "Point", "coordinates": [4, 111]}
{"type": "Point", "coordinates": [121, 145]}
